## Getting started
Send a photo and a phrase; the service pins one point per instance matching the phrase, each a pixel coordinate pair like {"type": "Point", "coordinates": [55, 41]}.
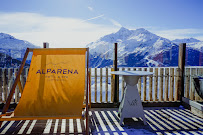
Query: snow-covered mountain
{"type": "Point", "coordinates": [185, 40]}
{"type": "Point", "coordinates": [191, 43]}
{"type": "Point", "coordinates": [14, 47]}
{"type": "Point", "coordinates": [135, 48]}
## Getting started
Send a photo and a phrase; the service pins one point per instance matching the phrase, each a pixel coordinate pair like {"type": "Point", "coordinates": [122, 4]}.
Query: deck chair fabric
{"type": "Point", "coordinates": [55, 85]}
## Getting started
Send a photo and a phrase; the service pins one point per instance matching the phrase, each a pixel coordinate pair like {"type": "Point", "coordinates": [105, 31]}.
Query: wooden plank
{"type": "Point", "coordinates": [115, 66]}
{"type": "Point", "coordinates": [112, 85]}
{"type": "Point", "coordinates": [201, 73]}
{"type": "Point", "coordinates": [17, 91]}
{"type": "Point", "coordinates": [22, 78]}
{"type": "Point", "coordinates": [187, 82]}
{"type": "Point", "coordinates": [5, 86]}
{"type": "Point", "coordinates": [161, 84]}
{"type": "Point", "coordinates": [197, 97]}
{"type": "Point", "coordinates": [181, 67]}
{"type": "Point", "coordinates": [171, 84]}
{"type": "Point", "coordinates": [1, 84]}
{"type": "Point", "coordinates": [150, 85]}
{"type": "Point", "coordinates": [95, 84]}
{"type": "Point", "coordinates": [117, 88]}
{"type": "Point", "coordinates": [90, 84]}
{"type": "Point", "coordinates": [107, 84]}
{"type": "Point", "coordinates": [123, 84]}
{"type": "Point", "coordinates": [10, 81]}
{"type": "Point", "coordinates": [192, 88]}
{"type": "Point", "coordinates": [101, 76]}
{"type": "Point", "coordinates": [155, 84]}
{"type": "Point", "coordinates": [26, 73]}
{"type": "Point", "coordinates": [166, 84]}
{"type": "Point", "coordinates": [195, 93]}
{"type": "Point", "coordinates": [177, 86]}
{"type": "Point", "coordinates": [139, 83]}
{"type": "Point", "coordinates": [144, 86]}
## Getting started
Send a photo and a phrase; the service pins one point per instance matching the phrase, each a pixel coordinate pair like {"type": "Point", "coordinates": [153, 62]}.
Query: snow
{"type": "Point", "coordinates": [185, 40]}
{"type": "Point", "coordinates": [14, 47]}
{"type": "Point", "coordinates": [140, 45]}
{"type": "Point", "coordinates": [138, 41]}
{"type": "Point", "coordinates": [6, 36]}
{"type": "Point", "coordinates": [196, 45]}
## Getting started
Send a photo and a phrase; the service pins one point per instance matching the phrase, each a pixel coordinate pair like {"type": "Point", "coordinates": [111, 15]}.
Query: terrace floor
{"type": "Point", "coordinates": [160, 121]}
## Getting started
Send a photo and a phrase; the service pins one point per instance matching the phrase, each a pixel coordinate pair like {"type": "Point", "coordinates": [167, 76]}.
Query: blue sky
{"type": "Point", "coordinates": [75, 23]}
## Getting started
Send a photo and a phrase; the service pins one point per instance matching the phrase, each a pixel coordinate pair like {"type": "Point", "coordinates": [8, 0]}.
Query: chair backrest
{"type": "Point", "coordinates": [55, 84]}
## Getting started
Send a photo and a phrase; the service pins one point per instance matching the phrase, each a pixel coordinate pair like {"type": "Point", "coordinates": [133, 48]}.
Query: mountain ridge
{"type": "Point", "coordinates": [135, 48]}
{"type": "Point", "coordinates": [14, 47]}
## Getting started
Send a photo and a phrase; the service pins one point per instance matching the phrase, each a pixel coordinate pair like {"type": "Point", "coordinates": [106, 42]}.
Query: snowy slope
{"type": "Point", "coordinates": [191, 43]}
{"type": "Point", "coordinates": [14, 47]}
{"type": "Point", "coordinates": [142, 48]}
{"type": "Point", "coordinates": [134, 48]}
{"type": "Point", "coordinates": [185, 40]}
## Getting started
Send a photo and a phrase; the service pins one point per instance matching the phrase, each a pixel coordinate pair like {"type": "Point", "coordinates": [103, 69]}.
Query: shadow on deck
{"type": "Point", "coordinates": [106, 121]}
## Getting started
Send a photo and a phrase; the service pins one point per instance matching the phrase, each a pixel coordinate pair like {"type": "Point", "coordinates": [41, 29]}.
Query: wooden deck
{"type": "Point", "coordinates": [160, 121]}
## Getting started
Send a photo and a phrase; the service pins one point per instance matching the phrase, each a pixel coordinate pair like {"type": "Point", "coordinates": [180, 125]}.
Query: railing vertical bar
{"type": "Point", "coordinates": [196, 94]}
{"type": "Point", "coordinates": [17, 91]}
{"type": "Point", "coordinates": [90, 84]}
{"type": "Point", "coordinates": [155, 84]}
{"type": "Point", "coordinates": [166, 84]}
{"type": "Point", "coordinates": [26, 73]}
{"type": "Point", "coordinates": [101, 85]}
{"type": "Point", "coordinates": [150, 85]}
{"type": "Point", "coordinates": [187, 82]}
{"type": "Point", "coordinates": [22, 81]}
{"type": "Point", "coordinates": [161, 84]}
{"type": "Point", "coordinates": [144, 86]}
{"type": "Point", "coordinates": [1, 84]}
{"type": "Point", "coordinates": [201, 73]}
{"type": "Point", "coordinates": [10, 81]}
{"type": "Point", "coordinates": [197, 97]}
{"type": "Point", "coordinates": [139, 83]}
{"type": "Point", "coordinates": [171, 84]}
{"type": "Point", "coordinates": [112, 85]}
{"type": "Point", "coordinates": [123, 84]}
{"type": "Point", "coordinates": [176, 95]}
{"type": "Point", "coordinates": [107, 84]}
{"type": "Point", "coordinates": [5, 87]}
{"type": "Point", "coordinates": [95, 89]}
{"type": "Point", "coordinates": [192, 88]}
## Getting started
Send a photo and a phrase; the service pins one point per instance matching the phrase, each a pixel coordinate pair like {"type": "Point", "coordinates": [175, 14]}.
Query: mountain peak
{"type": "Point", "coordinates": [141, 30]}
{"type": "Point", "coordinates": [3, 35]}
{"type": "Point", "coordinates": [123, 29]}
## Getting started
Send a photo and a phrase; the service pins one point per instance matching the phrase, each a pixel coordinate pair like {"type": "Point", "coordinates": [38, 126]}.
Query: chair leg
{"type": "Point", "coordinates": [87, 126]}
{"type": "Point", "coordinates": [1, 123]}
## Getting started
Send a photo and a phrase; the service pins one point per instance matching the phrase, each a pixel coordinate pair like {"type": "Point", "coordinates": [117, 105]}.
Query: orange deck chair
{"type": "Point", "coordinates": [55, 87]}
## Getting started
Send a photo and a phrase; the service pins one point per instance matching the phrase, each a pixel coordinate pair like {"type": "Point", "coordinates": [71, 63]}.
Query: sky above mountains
{"type": "Point", "coordinates": [75, 23]}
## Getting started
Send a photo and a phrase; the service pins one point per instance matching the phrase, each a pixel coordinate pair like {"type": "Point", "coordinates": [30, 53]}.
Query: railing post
{"type": "Point", "coordinates": [116, 86]}
{"type": "Point", "coordinates": [45, 45]}
{"type": "Point", "coordinates": [181, 66]}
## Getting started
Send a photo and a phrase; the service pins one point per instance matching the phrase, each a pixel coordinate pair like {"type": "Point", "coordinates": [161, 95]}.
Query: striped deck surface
{"type": "Point", "coordinates": [160, 121]}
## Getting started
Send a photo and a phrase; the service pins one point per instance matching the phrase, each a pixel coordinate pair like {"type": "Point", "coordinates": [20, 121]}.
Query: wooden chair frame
{"type": "Point", "coordinates": [17, 79]}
